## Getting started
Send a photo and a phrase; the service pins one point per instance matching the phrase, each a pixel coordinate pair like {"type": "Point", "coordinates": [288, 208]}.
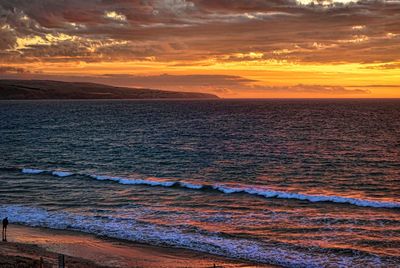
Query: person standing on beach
{"type": "Point", "coordinates": [4, 233]}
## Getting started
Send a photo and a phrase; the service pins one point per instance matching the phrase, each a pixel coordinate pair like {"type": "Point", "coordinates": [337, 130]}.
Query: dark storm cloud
{"type": "Point", "coordinates": [103, 30]}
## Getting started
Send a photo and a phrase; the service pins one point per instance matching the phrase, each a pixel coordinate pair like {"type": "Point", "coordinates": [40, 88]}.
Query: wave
{"type": "Point", "coordinates": [62, 173]}
{"type": "Point", "coordinates": [200, 240]}
{"type": "Point", "coordinates": [32, 171]}
{"type": "Point", "coordinates": [227, 189]}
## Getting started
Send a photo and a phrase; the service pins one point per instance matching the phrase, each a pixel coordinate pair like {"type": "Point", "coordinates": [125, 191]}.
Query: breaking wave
{"type": "Point", "coordinates": [226, 189]}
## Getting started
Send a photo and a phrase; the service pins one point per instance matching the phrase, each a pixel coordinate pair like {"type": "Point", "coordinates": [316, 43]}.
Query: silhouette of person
{"type": "Point", "coordinates": [4, 233]}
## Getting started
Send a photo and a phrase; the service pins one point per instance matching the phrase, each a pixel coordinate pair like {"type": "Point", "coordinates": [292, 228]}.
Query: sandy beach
{"type": "Point", "coordinates": [26, 245]}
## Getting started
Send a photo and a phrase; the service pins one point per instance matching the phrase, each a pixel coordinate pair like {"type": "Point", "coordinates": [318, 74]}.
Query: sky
{"type": "Point", "coordinates": [235, 49]}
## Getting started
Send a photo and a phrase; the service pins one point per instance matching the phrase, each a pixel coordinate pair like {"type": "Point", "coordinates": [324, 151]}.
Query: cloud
{"type": "Point", "coordinates": [223, 85]}
{"type": "Point", "coordinates": [376, 86]}
{"type": "Point", "coordinates": [115, 16]}
{"type": "Point", "coordinates": [166, 80]}
{"type": "Point", "coordinates": [387, 66]}
{"type": "Point", "coordinates": [366, 31]}
{"type": "Point", "coordinates": [12, 70]}
{"type": "Point", "coordinates": [318, 89]}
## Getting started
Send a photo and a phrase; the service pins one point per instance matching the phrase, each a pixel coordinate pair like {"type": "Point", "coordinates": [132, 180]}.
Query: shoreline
{"type": "Point", "coordinates": [27, 244]}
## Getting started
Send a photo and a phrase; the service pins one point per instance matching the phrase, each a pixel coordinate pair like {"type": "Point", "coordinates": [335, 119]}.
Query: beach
{"type": "Point", "coordinates": [26, 245]}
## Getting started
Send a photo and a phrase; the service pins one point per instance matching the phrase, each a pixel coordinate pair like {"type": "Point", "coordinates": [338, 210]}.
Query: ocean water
{"type": "Point", "coordinates": [298, 183]}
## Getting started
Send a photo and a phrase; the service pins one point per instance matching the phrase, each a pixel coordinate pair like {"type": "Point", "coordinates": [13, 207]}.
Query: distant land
{"type": "Point", "coordinates": [46, 89]}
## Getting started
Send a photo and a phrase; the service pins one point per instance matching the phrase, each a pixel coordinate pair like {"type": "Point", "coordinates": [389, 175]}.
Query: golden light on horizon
{"type": "Point", "coordinates": [232, 50]}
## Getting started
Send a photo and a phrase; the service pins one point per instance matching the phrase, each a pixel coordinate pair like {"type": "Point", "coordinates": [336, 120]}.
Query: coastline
{"type": "Point", "coordinates": [27, 244]}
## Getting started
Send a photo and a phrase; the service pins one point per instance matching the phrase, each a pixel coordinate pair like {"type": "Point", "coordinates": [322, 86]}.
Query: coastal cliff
{"type": "Point", "coordinates": [46, 89]}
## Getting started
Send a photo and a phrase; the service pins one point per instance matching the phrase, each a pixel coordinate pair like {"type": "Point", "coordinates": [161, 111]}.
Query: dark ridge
{"type": "Point", "coordinates": [46, 89]}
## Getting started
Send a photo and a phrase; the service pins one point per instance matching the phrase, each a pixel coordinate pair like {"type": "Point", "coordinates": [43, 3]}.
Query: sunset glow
{"type": "Point", "coordinates": [235, 49]}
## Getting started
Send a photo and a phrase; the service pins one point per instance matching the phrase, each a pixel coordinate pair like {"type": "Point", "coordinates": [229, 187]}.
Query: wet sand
{"type": "Point", "coordinates": [26, 245]}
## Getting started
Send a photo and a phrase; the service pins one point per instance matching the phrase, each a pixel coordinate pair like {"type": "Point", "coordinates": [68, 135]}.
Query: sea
{"type": "Point", "coordinates": [294, 183]}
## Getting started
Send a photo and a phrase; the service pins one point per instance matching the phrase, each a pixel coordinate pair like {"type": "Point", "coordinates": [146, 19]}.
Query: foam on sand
{"type": "Point", "coordinates": [199, 240]}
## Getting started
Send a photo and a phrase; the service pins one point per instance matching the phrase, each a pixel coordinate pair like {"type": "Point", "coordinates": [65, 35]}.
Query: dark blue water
{"type": "Point", "coordinates": [300, 183]}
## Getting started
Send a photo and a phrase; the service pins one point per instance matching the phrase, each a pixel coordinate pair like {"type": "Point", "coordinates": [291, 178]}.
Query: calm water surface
{"type": "Point", "coordinates": [301, 183]}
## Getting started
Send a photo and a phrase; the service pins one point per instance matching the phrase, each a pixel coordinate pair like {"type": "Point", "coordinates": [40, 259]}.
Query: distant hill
{"type": "Point", "coordinates": [46, 89]}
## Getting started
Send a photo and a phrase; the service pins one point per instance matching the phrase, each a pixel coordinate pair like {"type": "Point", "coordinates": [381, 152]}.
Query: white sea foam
{"type": "Point", "coordinates": [32, 171]}
{"type": "Point", "coordinates": [256, 191]}
{"type": "Point", "coordinates": [147, 182]}
{"type": "Point", "coordinates": [228, 189]}
{"type": "Point", "coordinates": [191, 185]}
{"type": "Point", "coordinates": [214, 243]}
{"type": "Point", "coordinates": [104, 178]}
{"type": "Point", "coordinates": [322, 198]}
{"type": "Point", "coordinates": [134, 181]}
{"type": "Point", "coordinates": [62, 173]}
{"type": "Point", "coordinates": [311, 198]}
